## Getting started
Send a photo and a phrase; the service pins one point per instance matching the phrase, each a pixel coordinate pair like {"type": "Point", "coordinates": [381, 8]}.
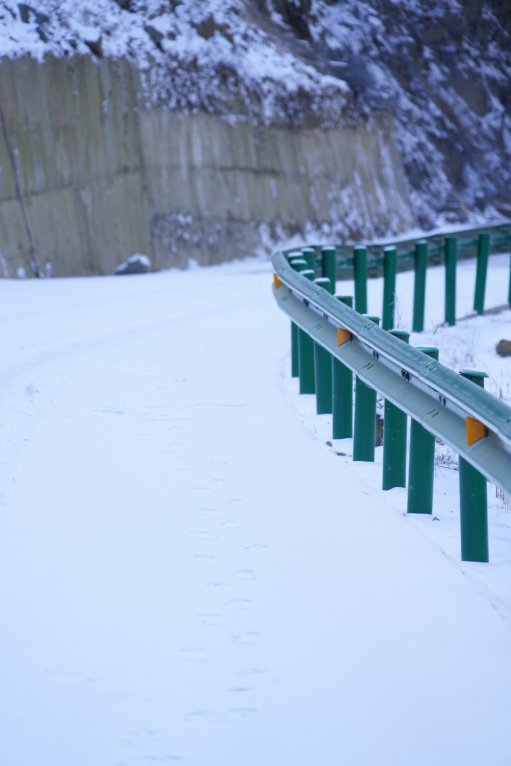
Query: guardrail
{"type": "Point", "coordinates": [331, 342]}
{"type": "Point", "coordinates": [386, 259]}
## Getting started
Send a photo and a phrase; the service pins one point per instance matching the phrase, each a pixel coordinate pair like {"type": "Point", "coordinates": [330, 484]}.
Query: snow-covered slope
{"type": "Point", "coordinates": [442, 69]}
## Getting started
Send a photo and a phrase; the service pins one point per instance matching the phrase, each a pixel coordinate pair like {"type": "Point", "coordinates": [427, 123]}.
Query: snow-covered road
{"type": "Point", "coordinates": [187, 576]}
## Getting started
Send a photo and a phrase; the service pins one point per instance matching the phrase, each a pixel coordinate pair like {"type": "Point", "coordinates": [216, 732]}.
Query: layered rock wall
{"type": "Point", "coordinates": [91, 173]}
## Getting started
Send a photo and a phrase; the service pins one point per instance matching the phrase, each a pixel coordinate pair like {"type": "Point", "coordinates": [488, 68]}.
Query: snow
{"type": "Point", "coordinates": [193, 54]}
{"type": "Point", "coordinates": [188, 575]}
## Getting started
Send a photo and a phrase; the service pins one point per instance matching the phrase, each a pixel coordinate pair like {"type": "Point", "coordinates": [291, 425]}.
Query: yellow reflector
{"type": "Point", "coordinates": [276, 281]}
{"type": "Point", "coordinates": [343, 336]}
{"type": "Point", "coordinates": [475, 430]}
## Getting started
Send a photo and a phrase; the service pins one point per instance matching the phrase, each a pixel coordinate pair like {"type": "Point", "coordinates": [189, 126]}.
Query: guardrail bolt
{"type": "Point", "coordinates": [306, 353]}
{"type": "Point", "coordinates": [421, 465]}
{"type": "Point", "coordinates": [323, 366]}
{"type": "Point", "coordinates": [473, 500]}
{"type": "Point", "coordinates": [342, 392]}
{"type": "Point", "coordinates": [394, 438]}
{"type": "Point", "coordinates": [328, 265]}
{"type": "Point", "coordinates": [450, 250]}
{"type": "Point", "coordinates": [419, 287]}
{"type": "Point", "coordinates": [389, 287]}
{"type": "Point", "coordinates": [360, 277]}
{"type": "Point", "coordinates": [483, 250]}
{"type": "Point", "coordinates": [364, 438]}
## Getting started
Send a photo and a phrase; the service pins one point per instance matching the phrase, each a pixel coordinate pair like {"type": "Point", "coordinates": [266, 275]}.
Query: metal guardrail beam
{"type": "Point", "coordinates": [467, 238]}
{"type": "Point", "coordinates": [430, 393]}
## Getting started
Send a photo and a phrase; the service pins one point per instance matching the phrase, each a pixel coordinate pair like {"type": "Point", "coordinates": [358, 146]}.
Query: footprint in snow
{"type": "Point", "coordinates": [239, 604]}
{"type": "Point", "coordinates": [245, 574]}
{"type": "Point", "coordinates": [255, 547]}
{"type": "Point", "coordinates": [231, 524]}
{"type": "Point", "coordinates": [210, 511]}
{"type": "Point", "coordinates": [212, 618]}
{"type": "Point", "coordinates": [204, 534]}
{"type": "Point", "coordinates": [250, 637]}
{"type": "Point", "coordinates": [195, 654]}
{"type": "Point", "coordinates": [241, 712]}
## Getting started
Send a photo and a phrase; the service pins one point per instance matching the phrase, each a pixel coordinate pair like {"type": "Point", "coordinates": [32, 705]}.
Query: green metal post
{"type": "Point", "coordinates": [342, 392]}
{"type": "Point", "coordinates": [421, 464]}
{"type": "Point", "coordinates": [310, 256]}
{"type": "Point", "coordinates": [419, 290]}
{"type": "Point", "coordinates": [295, 369]}
{"type": "Point", "coordinates": [328, 265]}
{"type": "Point", "coordinates": [323, 367]}
{"type": "Point", "coordinates": [364, 438]}
{"type": "Point", "coordinates": [394, 438]}
{"type": "Point", "coordinates": [389, 287]}
{"type": "Point", "coordinates": [483, 251]}
{"type": "Point", "coordinates": [473, 500]}
{"type": "Point", "coordinates": [360, 277]}
{"type": "Point", "coordinates": [298, 264]}
{"type": "Point", "coordinates": [306, 353]}
{"type": "Point", "coordinates": [450, 249]}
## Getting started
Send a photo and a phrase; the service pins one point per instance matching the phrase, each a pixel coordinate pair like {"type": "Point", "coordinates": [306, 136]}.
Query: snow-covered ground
{"type": "Point", "coordinates": [189, 575]}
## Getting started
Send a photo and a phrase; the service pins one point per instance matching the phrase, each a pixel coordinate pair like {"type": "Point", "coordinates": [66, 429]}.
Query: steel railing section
{"type": "Point", "coordinates": [423, 388]}
{"type": "Point", "coordinates": [500, 234]}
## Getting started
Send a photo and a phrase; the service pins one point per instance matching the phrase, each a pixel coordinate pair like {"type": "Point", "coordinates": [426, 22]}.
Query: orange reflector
{"type": "Point", "coordinates": [475, 430]}
{"type": "Point", "coordinates": [343, 336]}
{"type": "Point", "coordinates": [276, 281]}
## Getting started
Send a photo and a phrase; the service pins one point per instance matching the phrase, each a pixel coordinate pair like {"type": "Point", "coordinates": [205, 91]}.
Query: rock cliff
{"type": "Point", "coordinates": [205, 129]}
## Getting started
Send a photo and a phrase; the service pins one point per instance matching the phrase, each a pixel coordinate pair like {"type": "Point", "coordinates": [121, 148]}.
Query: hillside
{"type": "Point", "coordinates": [432, 80]}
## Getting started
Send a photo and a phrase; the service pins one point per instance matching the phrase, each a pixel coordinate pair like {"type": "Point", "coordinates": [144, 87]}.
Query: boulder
{"type": "Point", "coordinates": [503, 348]}
{"type": "Point", "coordinates": [136, 264]}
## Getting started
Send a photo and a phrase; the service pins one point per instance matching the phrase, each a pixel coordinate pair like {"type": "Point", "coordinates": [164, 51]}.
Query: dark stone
{"type": "Point", "coordinates": [27, 13]}
{"type": "Point", "coordinates": [503, 348]}
{"type": "Point", "coordinates": [137, 264]}
{"type": "Point", "coordinates": [95, 46]}
{"type": "Point", "coordinates": [42, 34]}
{"type": "Point", "coordinates": [155, 35]}
{"type": "Point", "coordinates": [24, 12]}
{"type": "Point", "coordinates": [210, 27]}
{"type": "Point", "coordinates": [379, 431]}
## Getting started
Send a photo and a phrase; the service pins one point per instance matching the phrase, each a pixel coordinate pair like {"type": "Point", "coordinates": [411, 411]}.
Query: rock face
{"type": "Point", "coordinates": [200, 129]}
{"type": "Point", "coordinates": [90, 172]}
